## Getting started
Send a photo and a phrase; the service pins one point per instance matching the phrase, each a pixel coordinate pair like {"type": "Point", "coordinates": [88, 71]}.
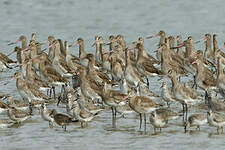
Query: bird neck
{"type": "Point", "coordinates": [208, 45]}
{"type": "Point", "coordinates": [24, 43]}
{"type": "Point", "coordinates": [82, 51]}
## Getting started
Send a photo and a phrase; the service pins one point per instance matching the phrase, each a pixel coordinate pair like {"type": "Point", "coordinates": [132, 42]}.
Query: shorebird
{"type": "Point", "coordinates": [83, 115]}
{"type": "Point", "coordinates": [3, 107]}
{"type": "Point", "coordinates": [111, 42]}
{"type": "Point", "coordinates": [89, 89]}
{"type": "Point", "coordinates": [188, 58]}
{"type": "Point", "coordinates": [51, 76]}
{"type": "Point", "coordinates": [167, 94]}
{"type": "Point", "coordinates": [215, 46]}
{"type": "Point", "coordinates": [171, 60]}
{"type": "Point", "coordinates": [143, 90]}
{"type": "Point", "coordinates": [146, 54]}
{"type": "Point", "coordinates": [97, 52]}
{"type": "Point", "coordinates": [124, 88]}
{"type": "Point", "coordinates": [130, 73]}
{"type": "Point", "coordinates": [180, 52]}
{"type": "Point", "coordinates": [18, 115]}
{"type": "Point", "coordinates": [45, 114]}
{"type": "Point", "coordinates": [7, 60]}
{"type": "Point", "coordinates": [220, 82]}
{"type": "Point", "coordinates": [208, 49]}
{"type": "Point", "coordinates": [4, 123]}
{"type": "Point", "coordinates": [204, 77]}
{"type": "Point", "coordinates": [216, 119]}
{"type": "Point", "coordinates": [159, 118]}
{"type": "Point", "coordinates": [195, 120]}
{"type": "Point", "coordinates": [120, 40]}
{"type": "Point", "coordinates": [72, 61]}
{"type": "Point", "coordinates": [216, 105]}
{"type": "Point", "coordinates": [40, 56]}
{"type": "Point", "coordinates": [89, 105]}
{"type": "Point", "coordinates": [3, 95]}
{"type": "Point", "coordinates": [23, 39]}
{"type": "Point", "coordinates": [171, 41]}
{"type": "Point", "coordinates": [106, 60]}
{"type": "Point", "coordinates": [27, 90]}
{"type": "Point", "coordinates": [162, 35]}
{"type": "Point", "coordinates": [94, 73]}
{"type": "Point", "coordinates": [143, 66]}
{"type": "Point", "coordinates": [116, 68]}
{"type": "Point", "coordinates": [142, 105]}
{"type": "Point", "coordinates": [124, 110]}
{"type": "Point", "coordinates": [51, 52]}
{"type": "Point", "coordinates": [76, 81]}
{"type": "Point", "coordinates": [60, 64]}
{"type": "Point", "coordinates": [119, 54]}
{"type": "Point", "coordinates": [18, 104]}
{"type": "Point", "coordinates": [72, 95]}
{"type": "Point", "coordinates": [4, 66]}
{"type": "Point", "coordinates": [113, 98]}
{"type": "Point", "coordinates": [82, 51]}
{"type": "Point", "coordinates": [62, 48]}
{"type": "Point", "coordinates": [217, 51]}
{"type": "Point", "coordinates": [32, 49]}
{"type": "Point", "coordinates": [32, 76]}
{"type": "Point", "coordinates": [62, 119]}
{"type": "Point", "coordinates": [185, 95]}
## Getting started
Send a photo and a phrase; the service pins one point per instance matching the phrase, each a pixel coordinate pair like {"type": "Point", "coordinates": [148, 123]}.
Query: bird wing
{"type": "Point", "coordinates": [219, 118]}
{"type": "Point", "coordinates": [85, 114]}
{"type": "Point", "coordinates": [150, 68]}
{"type": "Point", "coordinates": [6, 59]}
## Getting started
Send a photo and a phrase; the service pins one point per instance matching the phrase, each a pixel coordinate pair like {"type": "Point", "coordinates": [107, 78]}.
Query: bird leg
{"type": "Point", "coordinates": [198, 128]}
{"type": "Point", "coordinates": [183, 111]}
{"type": "Point", "coordinates": [186, 111]}
{"type": "Point", "coordinates": [145, 121]}
{"type": "Point", "coordinates": [194, 84]}
{"type": "Point", "coordinates": [81, 124]}
{"type": "Point", "coordinates": [168, 104]}
{"type": "Point", "coordinates": [185, 128]}
{"type": "Point", "coordinates": [50, 92]}
{"type": "Point", "coordinates": [53, 88]}
{"type": "Point", "coordinates": [140, 121]}
{"type": "Point", "coordinates": [112, 112]}
{"type": "Point", "coordinates": [62, 89]}
{"type": "Point", "coordinates": [147, 81]}
{"type": "Point", "coordinates": [113, 117]}
{"type": "Point", "coordinates": [115, 112]}
{"type": "Point", "coordinates": [50, 124]}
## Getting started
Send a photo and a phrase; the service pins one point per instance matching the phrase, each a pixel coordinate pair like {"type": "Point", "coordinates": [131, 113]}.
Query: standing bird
{"type": "Point", "coordinates": [62, 119]}
{"type": "Point", "coordinates": [45, 114]}
{"type": "Point", "coordinates": [195, 120]}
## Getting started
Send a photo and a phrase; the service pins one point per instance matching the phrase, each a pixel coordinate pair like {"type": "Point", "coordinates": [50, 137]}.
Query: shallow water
{"type": "Point", "coordinates": [71, 19]}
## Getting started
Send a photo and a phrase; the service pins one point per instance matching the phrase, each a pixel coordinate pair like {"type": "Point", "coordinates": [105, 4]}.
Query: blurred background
{"type": "Point", "coordinates": [70, 19]}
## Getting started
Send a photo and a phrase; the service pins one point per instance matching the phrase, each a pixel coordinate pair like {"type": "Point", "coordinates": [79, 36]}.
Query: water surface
{"type": "Point", "coordinates": [71, 19]}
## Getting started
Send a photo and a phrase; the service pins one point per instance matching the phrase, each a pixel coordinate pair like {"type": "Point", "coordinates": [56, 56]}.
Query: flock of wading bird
{"type": "Point", "coordinates": [118, 79]}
